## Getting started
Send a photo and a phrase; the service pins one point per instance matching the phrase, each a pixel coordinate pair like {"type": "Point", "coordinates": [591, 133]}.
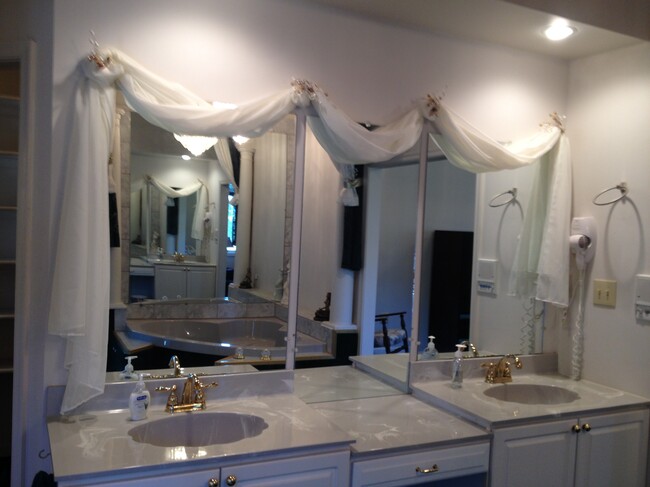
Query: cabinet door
{"type": "Point", "coordinates": [201, 282]}
{"type": "Point", "coordinates": [539, 455]}
{"type": "Point", "coordinates": [613, 450]}
{"type": "Point", "coordinates": [200, 478]}
{"type": "Point", "coordinates": [326, 470]}
{"type": "Point", "coordinates": [170, 281]}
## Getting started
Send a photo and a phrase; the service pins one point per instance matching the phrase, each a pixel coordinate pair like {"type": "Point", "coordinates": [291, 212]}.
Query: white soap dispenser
{"type": "Point", "coordinates": [457, 367]}
{"type": "Point", "coordinates": [430, 350]}
{"type": "Point", "coordinates": [139, 401]}
{"type": "Point", "coordinates": [128, 372]}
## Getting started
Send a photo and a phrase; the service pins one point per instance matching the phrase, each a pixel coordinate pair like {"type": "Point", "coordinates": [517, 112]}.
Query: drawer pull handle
{"type": "Point", "coordinates": [575, 428]}
{"type": "Point", "coordinates": [586, 427]}
{"type": "Point", "coordinates": [213, 483]}
{"type": "Point", "coordinates": [231, 480]}
{"type": "Point", "coordinates": [433, 469]}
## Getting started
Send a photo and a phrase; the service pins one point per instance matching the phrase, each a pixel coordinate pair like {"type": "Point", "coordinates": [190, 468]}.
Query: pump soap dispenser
{"type": "Point", "coordinates": [139, 401]}
{"type": "Point", "coordinates": [128, 372]}
{"type": "Point", "coordinates": [457, 367]}
{"type": "Point", "coordinates": [430, 350]}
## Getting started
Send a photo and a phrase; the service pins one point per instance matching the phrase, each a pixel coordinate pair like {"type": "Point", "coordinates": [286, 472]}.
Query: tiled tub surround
{"type": "Point", "coordinates": [189, 309]}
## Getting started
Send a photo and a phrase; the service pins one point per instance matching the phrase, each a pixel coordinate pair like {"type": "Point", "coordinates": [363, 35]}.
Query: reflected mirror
{"type": "Point", "coordinates": [206, 279]}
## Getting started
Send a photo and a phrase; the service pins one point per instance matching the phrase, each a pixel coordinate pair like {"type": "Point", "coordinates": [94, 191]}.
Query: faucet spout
{"type": "Point", "coordinates": [471, 347]}
{"type": "Point", "coordinates": [175, 364]}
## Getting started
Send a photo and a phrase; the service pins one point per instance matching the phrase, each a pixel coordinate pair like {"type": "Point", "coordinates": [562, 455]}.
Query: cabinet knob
{"type": "Point", "coordinates": [586, 427]}
{"type": "Point", "coordinates": [231, 480]}
{"type": "Point", "coordinates": [213, 483]}
{"type": "Point", "coordinates": [433, 469]}
{"type": "Point", "coordinates": [575, 428]}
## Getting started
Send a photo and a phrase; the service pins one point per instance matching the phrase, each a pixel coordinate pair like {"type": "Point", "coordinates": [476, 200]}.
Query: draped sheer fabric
{"type": "Point", "coordinates": [541, 262]}
{"type": "Point", "coordinates": [80, 291]}
{"type": "Point", "coordinates": [202, 202]}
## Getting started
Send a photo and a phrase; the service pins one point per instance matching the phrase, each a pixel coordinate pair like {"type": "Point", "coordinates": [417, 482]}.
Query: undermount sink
{"type": "Point", "coordinates": [199, 429]}
{"type": "Point", "coordinates": [531, 394]}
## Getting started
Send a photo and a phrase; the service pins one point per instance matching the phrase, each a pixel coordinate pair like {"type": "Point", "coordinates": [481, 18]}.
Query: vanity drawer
{"type": "Point", "coordinates": [435, 464]}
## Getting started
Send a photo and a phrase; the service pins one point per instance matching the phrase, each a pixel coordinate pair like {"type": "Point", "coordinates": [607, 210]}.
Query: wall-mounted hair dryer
{"type": "Point", "coordinates": [583, 240]}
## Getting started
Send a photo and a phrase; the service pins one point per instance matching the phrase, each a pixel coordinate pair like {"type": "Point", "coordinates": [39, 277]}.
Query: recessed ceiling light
{"type": "Point", "coordinates": [559, 30]}
{"type": "Point", "coordinates": [185, 157]}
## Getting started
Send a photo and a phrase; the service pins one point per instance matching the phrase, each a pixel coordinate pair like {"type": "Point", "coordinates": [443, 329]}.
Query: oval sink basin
{"type": "Point", "coordinates": [531, 394]}
{"type": "Point", "coordinates": [199, 429]}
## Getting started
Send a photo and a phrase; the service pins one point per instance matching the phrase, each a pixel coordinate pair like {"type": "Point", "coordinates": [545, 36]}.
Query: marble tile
{"type": "Point", "coordinates": [231, 310]}
{"type": "Point", "coordinates": [201, 311]}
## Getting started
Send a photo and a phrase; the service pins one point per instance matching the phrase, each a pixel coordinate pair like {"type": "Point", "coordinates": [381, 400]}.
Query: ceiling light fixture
{"type": "Point", "coordinates": [559, 30]}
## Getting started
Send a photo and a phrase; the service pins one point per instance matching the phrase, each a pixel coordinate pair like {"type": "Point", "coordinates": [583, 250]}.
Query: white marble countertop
{"type": "Point", "coordinates": [323, 384]}
{"type": "Point", "coordinates": [397, 422]}
{"type": "Point", "coordinates": [94, 443]}
{"type": "Point", "coordinates": [472, 403]}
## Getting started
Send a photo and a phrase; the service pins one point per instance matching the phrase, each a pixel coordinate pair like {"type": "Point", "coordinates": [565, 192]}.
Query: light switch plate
{"type": "Point", "coordinates": [605, 292]}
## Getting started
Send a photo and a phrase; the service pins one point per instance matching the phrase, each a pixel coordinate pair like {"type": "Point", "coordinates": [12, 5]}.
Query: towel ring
{"type": "Point", "coordinates": [622, 187]}
{"type": "Point", "coordinates": [513, 196]}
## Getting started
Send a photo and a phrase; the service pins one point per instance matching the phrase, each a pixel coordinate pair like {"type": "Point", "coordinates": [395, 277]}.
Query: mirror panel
{"type": "Point", "coordinates": [447, 257]}
{"type": "Point", "coordinates": [209, 289]}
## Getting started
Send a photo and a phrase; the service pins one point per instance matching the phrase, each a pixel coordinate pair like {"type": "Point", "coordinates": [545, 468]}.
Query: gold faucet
{"type": "Point", "coordinates": [471, 347]}
{"type": "Point", "coordinates": [500, 373]}
{"type": "Point", "coordinates": [192, 398]}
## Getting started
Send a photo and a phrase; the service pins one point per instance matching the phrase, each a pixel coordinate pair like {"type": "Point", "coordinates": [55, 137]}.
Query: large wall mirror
{"type": "Point", "coordinates": [176, 285]}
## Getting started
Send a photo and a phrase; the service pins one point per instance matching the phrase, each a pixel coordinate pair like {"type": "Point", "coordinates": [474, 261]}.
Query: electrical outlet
{"type": "Point", "coordinates": [605, 292]}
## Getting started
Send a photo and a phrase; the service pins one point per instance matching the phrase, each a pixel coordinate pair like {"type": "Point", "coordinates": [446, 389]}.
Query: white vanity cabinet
{"type": "Point", "coordinates": [590, 451]}
{"type": "Point", "coordinates": [323, 470]}
{"type": "Point", "coordinates": [425, 467]}
{"type": "Point", "coordinates": [315, 470]}
{"type": "Point", "coordinates": [184, 281]}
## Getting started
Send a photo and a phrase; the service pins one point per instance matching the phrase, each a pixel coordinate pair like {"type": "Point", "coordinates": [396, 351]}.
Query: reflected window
{"type": "Point", "coordinates": [232, 221]}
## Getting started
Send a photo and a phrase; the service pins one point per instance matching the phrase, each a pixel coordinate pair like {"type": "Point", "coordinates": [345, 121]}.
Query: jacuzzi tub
{"type": "Point", "coordinates": [222, 336]}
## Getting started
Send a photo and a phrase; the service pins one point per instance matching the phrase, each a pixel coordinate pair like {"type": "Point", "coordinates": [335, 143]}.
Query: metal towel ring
{"type": "Point", "coordinates": [622, 187]}
{"type": "Point", "coordinates": [513, 196]}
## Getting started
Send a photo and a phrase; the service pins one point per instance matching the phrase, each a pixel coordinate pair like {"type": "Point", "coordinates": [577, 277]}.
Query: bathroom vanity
{"type": "Point", "coordinates": [98, 448]}
{"type": "Point", "coordinates": [340, 426]}
{"type": "Point", "coordinates": [550, 430]}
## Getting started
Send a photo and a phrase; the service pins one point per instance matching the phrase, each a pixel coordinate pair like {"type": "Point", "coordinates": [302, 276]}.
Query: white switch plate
{"type": "Point", "coordinates": [487, 276]}
{"type": "Point", "coordinates": [605, 292]}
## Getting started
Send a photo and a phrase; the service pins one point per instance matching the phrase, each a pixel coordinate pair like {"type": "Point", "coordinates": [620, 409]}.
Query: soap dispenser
{"type": "Point", "coordinates": [139, 401]}
{"type": "Point", "coordinates": [128, 372]}
{"type": "Point", "coordinates": [430, 350]}
{"type": "Point", "coordinates": [457, 367]}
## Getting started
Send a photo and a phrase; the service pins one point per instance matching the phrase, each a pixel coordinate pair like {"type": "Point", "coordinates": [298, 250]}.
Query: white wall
{"type": "Point", "coordinates": [608, 123]}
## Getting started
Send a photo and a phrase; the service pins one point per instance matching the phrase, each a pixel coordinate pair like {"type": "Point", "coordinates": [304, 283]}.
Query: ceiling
{"type": "Point", "coordinates": [491, 21]}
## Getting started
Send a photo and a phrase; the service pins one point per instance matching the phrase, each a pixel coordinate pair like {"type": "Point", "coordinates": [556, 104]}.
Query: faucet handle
{"type": "Point", "coordinates": [172, 399]}
{"type": "Point", "coordinates": [491, 371]}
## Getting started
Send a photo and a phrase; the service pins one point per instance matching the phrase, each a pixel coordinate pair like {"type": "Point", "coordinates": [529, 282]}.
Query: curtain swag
{"type": "Point", "coordinates": [80, 302]}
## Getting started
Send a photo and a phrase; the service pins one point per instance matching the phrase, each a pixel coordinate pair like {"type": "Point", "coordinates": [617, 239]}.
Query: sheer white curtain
{"type": "Point", "coordinates": [80, 293]}
{"type": "Point", "coordinates": [541, 263]}
{"type": "Point", "coordinates": [202, 202]}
